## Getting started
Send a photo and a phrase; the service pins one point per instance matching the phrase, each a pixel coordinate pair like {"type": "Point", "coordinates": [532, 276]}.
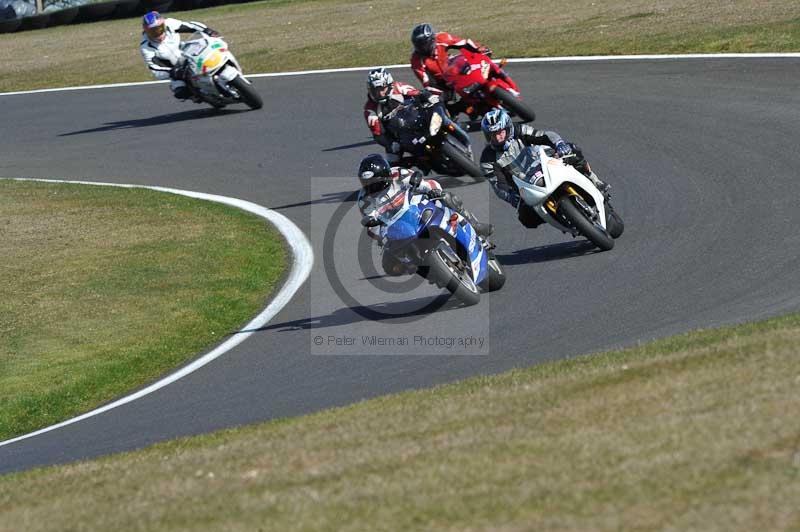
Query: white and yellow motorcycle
{"type": "Point", "coordinates": [555, 192]}
{"type": "Point", "coordinates": [213, 73]}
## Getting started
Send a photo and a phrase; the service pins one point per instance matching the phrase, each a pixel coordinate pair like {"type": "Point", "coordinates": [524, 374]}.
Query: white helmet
{"type": "Point", "coordinates": [379, 84]}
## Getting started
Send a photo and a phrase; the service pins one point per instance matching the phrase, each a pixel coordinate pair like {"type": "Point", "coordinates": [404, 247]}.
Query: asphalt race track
{"type": "Point", "coordinates": [702, 156]}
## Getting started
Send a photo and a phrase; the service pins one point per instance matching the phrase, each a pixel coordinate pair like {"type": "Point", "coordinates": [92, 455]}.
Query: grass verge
{"type": "Point", "coordinates": [691, 432]}
{"type": "Point", "coordinates": [272, 36]}
{"type": "Point", "coordinates": [103, 290]}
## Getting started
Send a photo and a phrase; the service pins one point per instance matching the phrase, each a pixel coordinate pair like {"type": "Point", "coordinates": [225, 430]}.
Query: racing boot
{"type": "Point", "coordinates": [583, 167]}
{"type": "Point", "coordinates": [454, 202]}
{"type": "Point", "coordinates": [483, 229]}
{"type": "Point", "coordinates": [602, 186]}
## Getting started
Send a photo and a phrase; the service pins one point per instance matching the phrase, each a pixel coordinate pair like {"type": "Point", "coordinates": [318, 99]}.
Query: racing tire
{"type": "Point", "coordinates": [514, 104]}
{"type": "Point", "coordinates": [247, 93]}
{"type": "Point", "coordinates": [614, 223]}
{"type": "Point", "coordinates": [496, 277]}
{"type": "Point", "coordinates": [595, 233]}
{"type": "Point", "coordinates": [470, 167]}
{"type": "Point", "coordinates": [438, 272]}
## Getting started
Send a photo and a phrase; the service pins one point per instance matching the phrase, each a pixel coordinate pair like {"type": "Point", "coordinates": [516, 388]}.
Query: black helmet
{"type": "Point", "coordinates": [423, 37]}
{"type": "Point", "coordinates": [374, 173]}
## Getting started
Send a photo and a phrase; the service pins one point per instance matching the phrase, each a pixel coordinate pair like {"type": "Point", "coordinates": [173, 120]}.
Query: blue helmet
{"type": "Point", "coordinates": [154, 26]}
{"type": "Point", "coordinates": [494, 121]}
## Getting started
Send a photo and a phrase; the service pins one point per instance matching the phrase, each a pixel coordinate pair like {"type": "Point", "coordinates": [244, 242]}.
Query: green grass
{"type": "Point", "coordinates": [691, 432]}
{"type": "Point", "coordinates": [286, 35]}
{"type": "Point", "coordinates": [103, 290]}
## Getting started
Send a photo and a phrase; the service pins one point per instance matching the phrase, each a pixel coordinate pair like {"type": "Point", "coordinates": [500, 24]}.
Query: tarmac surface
{"type": "Point", "coordinates": [702, 156]}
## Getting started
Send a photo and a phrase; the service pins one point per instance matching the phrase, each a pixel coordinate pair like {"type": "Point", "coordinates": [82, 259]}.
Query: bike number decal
{"type": "Point", "coordinates": [485, 69]}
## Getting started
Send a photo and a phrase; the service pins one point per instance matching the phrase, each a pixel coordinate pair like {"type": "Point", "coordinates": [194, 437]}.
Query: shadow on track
{"type": "Point", "coordinates": [378, 312]}
{"type": "Point", "coordinates": [450, 182]}
{"type": "Point", "coordinates": [351, 146]}
{"type": "Point", "coordinates": [172, 118]}
{"type": "Point", "coordinates": [565, 250]}
{"type": "Point", "coordinates": [332, 197]}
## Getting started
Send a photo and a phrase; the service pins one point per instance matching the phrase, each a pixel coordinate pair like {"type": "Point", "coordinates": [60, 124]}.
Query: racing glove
{"type": "Point", "coordinates": [211, 33]}
{"type": "Point", "coordinates": [485, 50]}
{"type": "Point", "coordinates": [370, 221]}
{"type": "Point", "coordinates": [427, 97]}
{"type": "Point", "coordinates": [563, 149]}
{"type": "Point", "coordinates": [435, 193]}
{"type": "Point", "coordinates": [178, 73]}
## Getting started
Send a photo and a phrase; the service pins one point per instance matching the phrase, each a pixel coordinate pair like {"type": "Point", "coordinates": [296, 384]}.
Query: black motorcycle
{"type": "Point", "coordinates": [434, 141]}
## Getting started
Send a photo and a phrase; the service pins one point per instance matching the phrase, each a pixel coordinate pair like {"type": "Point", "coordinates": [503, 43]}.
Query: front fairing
{"type": "Point", "coordinates": [399, 215]}
{"type": "Point", "coordinates": [526, 166]}
{"type": "Point", "coordinates": [207, 55]}
{"type": "Point", "coordinates": [532, 179]}
{"type": "Point", "coordinates": [406, 226]}
{"type": "Point", "coordinates": [465, 70]}
{"type": "Point", "coordinates": [409, 124]}
{"type": "Point", "coordinates": [468, 238]}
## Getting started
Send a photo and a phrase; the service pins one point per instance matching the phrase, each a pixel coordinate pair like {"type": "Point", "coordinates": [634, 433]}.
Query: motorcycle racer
{"type": "Point", "coordinates": [160, 40]}
{"type": "Point", "coordinates": [384, 94]}
{"type": "Point", "coordinates": [429, 59]}
{"type": "Point", "coordinates": [377, 178]}
{"type": "Point", "coordinates": [506, 141]}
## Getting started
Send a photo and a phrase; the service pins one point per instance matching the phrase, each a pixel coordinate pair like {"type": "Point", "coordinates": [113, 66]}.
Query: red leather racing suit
{"type": "Point", "coordinates": [374, 112]}
{"type": "Point", "coordinates": [430, 69]}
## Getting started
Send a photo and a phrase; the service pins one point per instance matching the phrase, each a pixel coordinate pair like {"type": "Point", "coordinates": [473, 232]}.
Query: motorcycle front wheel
{"type": "Point", "coordinates": [496, 276]}
{"type": "Point", "coordinates": [247, 93]}
{"type": "Point", "coordinates": [614, 222]}
{"type": "Point", "coordinates": [580, 220]}
{"type": "Point", "coordinates": [460, 159]}
{"type": "Point", "coordinates": [455, 280]}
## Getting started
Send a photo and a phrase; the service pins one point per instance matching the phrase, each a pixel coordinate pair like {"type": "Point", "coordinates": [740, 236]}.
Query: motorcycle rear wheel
{"type": "Point", "coordinates": [458, 283]}
{"type": "Point", "coordinates": [575, 214]}
{"type": "Point", "coordinates": [247, 93]}
{"type": "Point", "coordinates": [469, 166]}
{"type": "Point", "coordinates": [514, 104]}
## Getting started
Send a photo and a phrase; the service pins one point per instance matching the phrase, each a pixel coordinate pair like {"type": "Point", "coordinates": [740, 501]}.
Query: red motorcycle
{"type": "Point", "coordinates": [482, 84]}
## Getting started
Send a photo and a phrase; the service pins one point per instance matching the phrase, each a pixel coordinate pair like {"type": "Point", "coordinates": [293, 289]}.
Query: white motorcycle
{"type": "Point", "coordinates": [563, 197]}
{"type": "Point", "coordinates": [213, 73]}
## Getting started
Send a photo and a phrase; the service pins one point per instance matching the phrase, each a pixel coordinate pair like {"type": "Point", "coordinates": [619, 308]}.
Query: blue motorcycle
{"type": "Point", "coordinates": [429, 239]}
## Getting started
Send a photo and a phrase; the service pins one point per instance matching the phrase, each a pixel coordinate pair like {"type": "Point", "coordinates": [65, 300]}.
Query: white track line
{"type": "Point", "coordinates": [580, 58]}
{"type": "Point", "coordinates": [303, 259]}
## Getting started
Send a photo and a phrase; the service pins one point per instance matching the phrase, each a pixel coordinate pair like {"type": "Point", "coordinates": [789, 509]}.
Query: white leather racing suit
{"type": "Point", "coordinates": [160, 57]}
